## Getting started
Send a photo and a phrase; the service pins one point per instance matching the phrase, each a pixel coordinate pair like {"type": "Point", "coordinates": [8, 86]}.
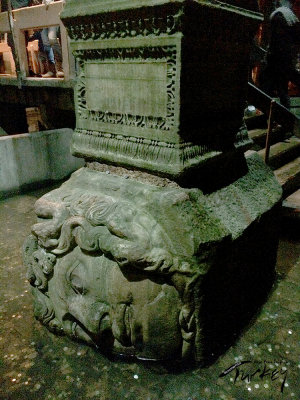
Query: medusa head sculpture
{"type": "Point", "coordinates": [103, 270]}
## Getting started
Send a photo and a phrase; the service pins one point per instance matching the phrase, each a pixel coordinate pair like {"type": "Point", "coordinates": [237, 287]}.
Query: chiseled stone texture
{"type": "Point", "coordinates": [30, 158]}
{"type": "Point", "coordinates": [154, 272]}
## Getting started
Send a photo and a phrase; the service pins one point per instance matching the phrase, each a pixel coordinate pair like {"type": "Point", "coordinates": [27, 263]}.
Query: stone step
{"type": "Point", "coordinates": [289, 176]}
{"type": "Point", "coordinates": [283, 152]}
{"type": "Point", "coordinates": [291, 206]}
{"type": "Point", "coordinates": [259, 136]}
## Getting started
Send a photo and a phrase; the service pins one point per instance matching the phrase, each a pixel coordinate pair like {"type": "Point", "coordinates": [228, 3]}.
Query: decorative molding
{"type": "Point", "coordinates": [131, 150]}
{"type": "Point", "coordinates": [100, 28]}
{"type": "Point", "coordinates": [80, 92]}
{"type": "Point", "coordinates": [157, 53]}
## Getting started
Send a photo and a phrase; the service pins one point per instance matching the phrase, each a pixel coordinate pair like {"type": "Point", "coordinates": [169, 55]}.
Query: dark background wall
{"type": "Point", "coordinates": [56, 105]}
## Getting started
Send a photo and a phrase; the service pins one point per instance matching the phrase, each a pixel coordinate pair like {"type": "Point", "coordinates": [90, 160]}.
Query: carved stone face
{"type": "Point", "coordinates": [130, 267]}
{"type": "Point", "coordinates": [102, 271]}
{"type": "Point", "coordinates": [94, 301]}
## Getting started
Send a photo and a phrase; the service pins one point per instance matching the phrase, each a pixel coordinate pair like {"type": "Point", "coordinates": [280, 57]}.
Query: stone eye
{"type": "Point", "coordinates": [76, 282]}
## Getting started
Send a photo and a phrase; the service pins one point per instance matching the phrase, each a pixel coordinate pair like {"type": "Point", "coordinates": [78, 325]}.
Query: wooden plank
{"type": "Point", "coordinates": [20, 44]}
{"type": "Point", "coordinates": [14, 45]}
{"type": "Point", "coordinates": [4, 47]}
{"type": "Point", "coordinates": [4, 23]}
{"type": "Point", "coordinates": [32, 50]}
{"type": "Point", "coordinates": [38, 16]}
{"type": "Point", "coordinates": [8, 59]}
{"type": "Point", "coordinates": [65, 51]}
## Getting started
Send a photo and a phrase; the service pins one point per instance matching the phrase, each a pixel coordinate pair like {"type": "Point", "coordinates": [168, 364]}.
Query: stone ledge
{"type": "Point", "coordinates": [37, 82]}
{"type": "Point", "coordinates": [28, 159]}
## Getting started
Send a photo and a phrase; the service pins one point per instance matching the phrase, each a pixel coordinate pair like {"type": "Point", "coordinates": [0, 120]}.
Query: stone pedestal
{"type": "Point", "coordinates": [161, 84]}
{"type": "Point", "coordinates": [162, 246]}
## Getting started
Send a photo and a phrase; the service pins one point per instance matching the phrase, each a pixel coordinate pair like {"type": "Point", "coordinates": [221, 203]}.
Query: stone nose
{"type": "Point", "coordinates": [94, 317]}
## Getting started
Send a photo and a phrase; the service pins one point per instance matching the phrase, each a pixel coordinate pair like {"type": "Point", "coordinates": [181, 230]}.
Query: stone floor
{"type": "Point", "coordinates": [35, 364]}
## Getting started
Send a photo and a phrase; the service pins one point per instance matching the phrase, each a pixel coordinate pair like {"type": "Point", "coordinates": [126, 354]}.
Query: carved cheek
{"type": "Point", "coordinates": [83, 300]}
{"type": "Point", "coordinates": [121, 323]}
{"type": "Point", "coordinates": [89, 316]}
{"type": "Point", "coordinates": [78, 308]}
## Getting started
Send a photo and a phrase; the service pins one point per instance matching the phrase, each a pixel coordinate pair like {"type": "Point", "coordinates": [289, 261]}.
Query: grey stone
{"type": "Point", "coordinates": [122, 264]}
{"type": "Point", "coordinates": [26, 159]}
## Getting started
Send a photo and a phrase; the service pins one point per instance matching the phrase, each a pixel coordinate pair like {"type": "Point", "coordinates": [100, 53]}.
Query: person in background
{"type": "Point", "coordinates": [15, 4]}
{"type": "Point", "coordinates": [49, 37]}
{"type": "Point", "coordinates": [45, 54]}
{"type": "Point", "coordinates": [282, 53]}
{"type": "Point", "coordinates": [53, 51]}
{"type": "Point", "coordinates": [51, 46]}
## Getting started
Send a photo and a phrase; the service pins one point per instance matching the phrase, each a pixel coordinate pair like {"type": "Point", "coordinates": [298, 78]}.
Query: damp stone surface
{"type": "Point", "coordinates": [35, 364]}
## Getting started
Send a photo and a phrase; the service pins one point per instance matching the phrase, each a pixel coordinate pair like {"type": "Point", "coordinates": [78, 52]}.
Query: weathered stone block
{"type": "Point", "coordinates": [152, 271]}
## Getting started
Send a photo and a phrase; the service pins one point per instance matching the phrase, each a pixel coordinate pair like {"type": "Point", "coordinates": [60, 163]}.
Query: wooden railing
{"type": "Point", "coordinates": [36, 17]}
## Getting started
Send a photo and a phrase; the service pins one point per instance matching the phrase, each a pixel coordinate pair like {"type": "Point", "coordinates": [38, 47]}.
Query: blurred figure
{"type": "Point", "coordinates": [45, 53]}
{"type": "Point", "coordinates": [15, 4]}
{"type": "Point", "coordinates": [53, 51]}
{"type": "Point", "coordinates": [50, 38]}
{"type": "Point", "coordinates": [282, 53]}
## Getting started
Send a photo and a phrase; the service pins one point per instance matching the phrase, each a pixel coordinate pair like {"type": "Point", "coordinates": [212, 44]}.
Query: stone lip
{"type": "Point", "coordinates": [77, 8]}
{"type": "Point", "coordinates": [126, 173]}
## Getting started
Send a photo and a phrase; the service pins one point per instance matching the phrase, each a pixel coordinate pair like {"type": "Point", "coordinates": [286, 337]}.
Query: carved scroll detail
{"type": "Point", "coordinates": [99, 28]}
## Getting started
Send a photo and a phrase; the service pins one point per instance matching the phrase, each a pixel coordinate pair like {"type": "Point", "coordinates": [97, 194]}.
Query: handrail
{"type": "Point", "coordinates": [269, 131]}
{"type": "Point", "coordinates": [281, 114]}
{"type": "Point", "coordinates": [38, 16]}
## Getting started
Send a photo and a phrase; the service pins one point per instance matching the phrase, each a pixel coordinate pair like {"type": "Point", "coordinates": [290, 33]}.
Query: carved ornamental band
{"type": "Point", "coordinates": [142, 57]}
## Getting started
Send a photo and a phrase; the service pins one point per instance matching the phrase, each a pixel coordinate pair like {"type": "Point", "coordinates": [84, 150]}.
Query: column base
{"type": "Point", "coordinates": [138, 265]}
